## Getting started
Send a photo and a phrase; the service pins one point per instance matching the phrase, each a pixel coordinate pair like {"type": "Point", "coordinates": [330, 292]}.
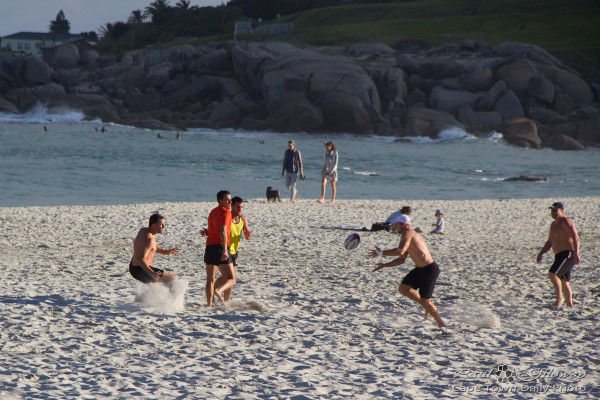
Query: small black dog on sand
{"type": "Point", "coordinates": [272, 195]}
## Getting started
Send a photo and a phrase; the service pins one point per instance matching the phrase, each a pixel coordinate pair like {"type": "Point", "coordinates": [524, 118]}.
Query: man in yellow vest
{"type": "Point", "coordinates": [239, 225]}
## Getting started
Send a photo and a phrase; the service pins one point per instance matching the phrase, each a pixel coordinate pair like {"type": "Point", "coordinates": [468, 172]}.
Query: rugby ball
{"type": "Point", "coordinates": [352, 241]}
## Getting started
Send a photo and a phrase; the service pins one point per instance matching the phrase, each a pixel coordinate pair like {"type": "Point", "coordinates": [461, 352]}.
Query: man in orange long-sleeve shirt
{"type": "Point", "coordinates": [217, 251]}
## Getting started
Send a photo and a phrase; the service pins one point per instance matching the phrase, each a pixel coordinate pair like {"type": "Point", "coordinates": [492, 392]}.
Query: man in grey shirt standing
{"type": "Point", "coordinates": [292, 163]}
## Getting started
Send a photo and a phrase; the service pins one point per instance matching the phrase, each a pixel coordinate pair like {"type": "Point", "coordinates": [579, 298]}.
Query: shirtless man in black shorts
{"type": "Point", "coordinates": [423, 277]}
{"type": "Point", "coordinates": [564, 242]}
{"type": "Point", "coordinates": [144, 249]}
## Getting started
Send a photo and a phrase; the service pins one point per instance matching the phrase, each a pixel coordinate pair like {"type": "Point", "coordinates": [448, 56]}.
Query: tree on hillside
{"type": "Point", "coordinates": [61, 24]}
{"type": "Point", "coordinates": [90, 36]}
{"type": "Point", "coordinates": [159, 10]}
{"type": "Point", "coordinates": [113, 31]}
{"type": "Point", "coordinates": [137, 17]}
{"type": "Point", "coordinates": [184, 5]}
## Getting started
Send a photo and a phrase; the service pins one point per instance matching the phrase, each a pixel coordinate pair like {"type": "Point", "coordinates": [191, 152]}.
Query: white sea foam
{"type": "Point", "coordinates": [166, 299]}
{"type": "Point", "coordinates": [40, 114]}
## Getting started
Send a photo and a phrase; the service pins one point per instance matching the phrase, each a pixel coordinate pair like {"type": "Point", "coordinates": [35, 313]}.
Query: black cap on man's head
{"type": "Point", "coordinates": [557, 205]}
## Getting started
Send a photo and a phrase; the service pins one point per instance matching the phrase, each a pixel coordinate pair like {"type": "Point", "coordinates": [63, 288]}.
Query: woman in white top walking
{"type": "Point", "coordinates": [329, 171]}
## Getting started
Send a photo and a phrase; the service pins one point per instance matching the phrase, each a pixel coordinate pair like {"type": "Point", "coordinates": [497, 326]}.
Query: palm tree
{"type": "Point", "coordinates": [137, 17]}
{"type": "Point", "coordinates": [183, 4]}
{"type": "Point", "coordinates": [105, 31]}
{"type": "Point", "coordinates": [159, 9]}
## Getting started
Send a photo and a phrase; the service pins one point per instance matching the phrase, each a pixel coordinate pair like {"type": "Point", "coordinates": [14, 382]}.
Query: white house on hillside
{"type": "Point", "coordinates": [34, 42]}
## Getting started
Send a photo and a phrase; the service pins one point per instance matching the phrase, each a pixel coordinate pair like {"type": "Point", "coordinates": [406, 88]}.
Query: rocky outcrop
{"type": "Point", "coordinates": [36, 71]}
{"type": "Point", "coordinates": [525, 178]}
{"type": "Point", "coordinates": [411, 89]}
{"type": "Point", "coordinates": [521, 132]}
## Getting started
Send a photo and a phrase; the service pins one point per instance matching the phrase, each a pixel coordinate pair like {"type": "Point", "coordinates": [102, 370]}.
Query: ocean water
{"type": "Point", "coordinates": [73, 163]}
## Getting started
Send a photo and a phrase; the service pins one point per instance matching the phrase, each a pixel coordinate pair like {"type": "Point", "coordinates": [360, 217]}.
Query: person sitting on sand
{"type": "Point", "coordinates": [439, 223]}
{"type": "Point", "coordinates": [144, 249]}
{"type": "Point", "coordinates": [387, 225]}
{"type": "Point", "coordinates": [564, 242]}
{"type": "Point", "coordinates": [421, 278]}
{"type": "Point", "coordinates": [405, 210]}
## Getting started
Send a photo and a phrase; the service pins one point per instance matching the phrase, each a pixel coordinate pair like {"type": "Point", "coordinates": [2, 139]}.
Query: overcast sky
{"type": "Point", "coordinates": [84, 15]}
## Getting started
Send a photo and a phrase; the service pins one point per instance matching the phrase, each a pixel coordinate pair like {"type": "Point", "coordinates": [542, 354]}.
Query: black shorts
{"type": "Point", "coordinates": [212, 255]}
{"type": "Point", "coordinates": [423, 279]}
{"type": "Point", "coordinates": [563, 264]}
{"type": "Point", "coordinates": [138, 273]}
{"type": "Point", "coordinates": [233, 258]}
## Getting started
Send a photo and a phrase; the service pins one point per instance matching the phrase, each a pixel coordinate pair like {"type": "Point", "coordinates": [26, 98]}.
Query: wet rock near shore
{"type": "Point", "coordinates": [408, 89]}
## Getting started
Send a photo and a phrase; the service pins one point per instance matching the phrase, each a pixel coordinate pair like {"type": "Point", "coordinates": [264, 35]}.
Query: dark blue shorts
{"type": "Point", "coordinates": [423, 279]}
{"type": "Point", "coordinates": [563, 264]}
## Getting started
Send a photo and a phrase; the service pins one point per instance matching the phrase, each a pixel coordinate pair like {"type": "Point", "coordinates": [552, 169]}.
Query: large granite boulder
{"type": "Point", "coordinates": [589, 131]}
{"type": "Point", "coordinates": [542, 89]}
{"type": "Point", "coordinates": [570, 84]}
{"type": "Point", "coordinates": [225, 111]}
{"type": "Point", "coordinates": [563, 103]}
{"type": "Point", "coordinates": [406, 63]}
{"type": "Point", "coordinates": [543, 115]}
{"type": "Point", "coordinates": [143, 102]}
{"type": "Point", "coordinates": [203, 89]}
{"type": "Point", "coordinates": [301, 116]}
{"type": "Point", "coordinates": [158, 74]}
{"type": "Point", "coordinates": [451, 101]}
{"type": "Point", "coordinates": [562, 142]}
{"type": "Point", "coordinates": [565, 129]}
{"type": "Point", "coordinates": [246, 104]}
{"type": "Point", "coordinates": [439, 69]}
{"type": "Point", "coordinates": [182, 54]}
{"type": "Point", "coordinates": [370, 49]}
{"type": "Point", "coordinates": [130, 76]}
{"type": "Point", "coordinates": [89, 58]}
{"type": "Point", "coordinates": [521, 132]}
{"type": "Point", "coordinates": [106, 112]}
{"type": "Point", "coordinates": [8, 106]}
{"type": "Point", "coordinates": [479, 121]}
{"type": "Point", "coordinates": [390, 83]}
{"type": "Point", "coordinates": [65, 56]}
{"type": "Point", "coordinates": [477, 77]}
{"type": "Point", "coordinates": [525, 51]}
{"type": "Point", "coordinates": [517, 76]}
{"type": "Point", "coordinates": [50, 94]}
{"type": "Point", "coordinates": [67, 77]}
{"type": "Point", "coordinates": [36, 70]}
{"type": "Point", "coordinates": [343, 112]}
{"type": "Point", "coordinates": [345, 93]}
{"type": "Point", "coordinates": [509, 106]}
{"type": "Point", "coordinates": [487, 101]}
{"type": "Point", "coordinates": [427, 122]}
{"type": "Point", "coordinates": [217, 62]}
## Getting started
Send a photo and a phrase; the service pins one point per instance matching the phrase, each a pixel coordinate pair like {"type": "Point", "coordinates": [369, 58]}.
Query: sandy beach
{"type": "Point", "coordinates": [308, 319]}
